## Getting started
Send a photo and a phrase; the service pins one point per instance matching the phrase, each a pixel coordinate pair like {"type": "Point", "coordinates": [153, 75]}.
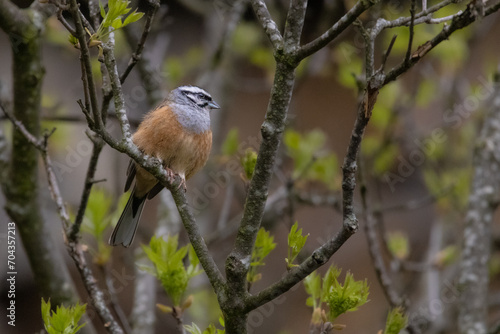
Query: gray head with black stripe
{"type": "Point", "coordinates": [192, 106]}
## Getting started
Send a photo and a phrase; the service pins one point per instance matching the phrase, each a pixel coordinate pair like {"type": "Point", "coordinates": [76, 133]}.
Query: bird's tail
{"type": "Point", "coordinates": [126, 227]}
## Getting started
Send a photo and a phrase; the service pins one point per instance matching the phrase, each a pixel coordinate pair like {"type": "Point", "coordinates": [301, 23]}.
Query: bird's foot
{"type": "Point", "coordinates": [170, 174]}
{"type": "Point", "coordinates": [171, 177]}
{"type": "Point", "coordinates": [182, 184]}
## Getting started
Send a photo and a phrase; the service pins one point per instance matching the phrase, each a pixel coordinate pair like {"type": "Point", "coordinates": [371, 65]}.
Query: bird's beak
{"type": "Point", "coordinates": [213, 105]}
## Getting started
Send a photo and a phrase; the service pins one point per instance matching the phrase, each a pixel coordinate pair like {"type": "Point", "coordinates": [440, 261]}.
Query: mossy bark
{"type": "Point", "coordinates": [21, 184]}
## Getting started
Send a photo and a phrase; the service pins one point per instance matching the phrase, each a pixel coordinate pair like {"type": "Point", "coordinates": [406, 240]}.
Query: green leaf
{"type": "Point", "coordinates": [101, 8]}
{"type": "Point", "coordinates": [296, 242]}
{"type": "Point", "coordinates": [168, 260]}
{"type": "Point", "coordinates": [134, 17]}
{"type": "Point", "coordinates": [312, 284]}
{"type": "Point", "coordinates": [329, 281]}
{"type": "Point", "coordinates": [230, 145]}
{"type": "Point", "coordinates": [264, 244]}
{"type": "Point", "coordinates": [396, 321]}
{"type": "Point", "coordinates": [117, 23]}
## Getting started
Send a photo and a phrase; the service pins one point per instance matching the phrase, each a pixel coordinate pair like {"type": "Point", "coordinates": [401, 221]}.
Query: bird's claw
{"type": "Point", "coordinates": [182, 184]}
{"type": "Point", "coordinates": [171, 177]}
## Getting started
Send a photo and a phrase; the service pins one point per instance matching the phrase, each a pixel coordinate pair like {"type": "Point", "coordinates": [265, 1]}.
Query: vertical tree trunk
{"type": "Point", "coordinates": [24, 28]}
{"type": "Point", "coordinates": [483, 201]}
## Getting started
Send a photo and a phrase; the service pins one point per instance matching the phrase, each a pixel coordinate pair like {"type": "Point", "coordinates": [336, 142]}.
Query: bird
{"type": "Point", "coordinates": [178, 133]}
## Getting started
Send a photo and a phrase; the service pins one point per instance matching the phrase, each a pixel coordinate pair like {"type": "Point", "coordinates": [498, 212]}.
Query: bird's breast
{"type": "Point", "coordinates": [162, 135]}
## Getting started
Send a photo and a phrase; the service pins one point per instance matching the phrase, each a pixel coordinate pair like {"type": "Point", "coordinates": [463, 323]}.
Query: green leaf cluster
{"type": "Point", "coordinates": [113, 18]}
{"type": "Point", "coordinates": [98, 218]}
{"type": "Point", "coordinates": [211, 329]}
{"type": "Point", "coordinates": [339, 298]}
{"type": "Point", "coordinates": [311, 161]}
{"type": "Point", "coordinates": [396, 321]}
{"type": "Point", "coordinates": [346, 297]}
{"type": "Point", "coordinates": [64, 320]}
{"type": "Point", "coordinates": [264, 244]}
{"type": "Point", "coordinates": [169, 265]}
{"type": "Point", "coordinates": [296, 242]}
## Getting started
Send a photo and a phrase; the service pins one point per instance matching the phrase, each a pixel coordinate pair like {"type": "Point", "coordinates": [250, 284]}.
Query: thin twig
{"type": "Point", "coordinates": [87, 77]}
{"type": "Point", "coordinates": [387, 53]}
{"type": "Point", "coordinates": [153, 6]}
{"type": "Point", "coordinates": [89, 182]}
{"type": "Point", "coordinates": [115, 303]}
{"type": "Point", "coordinates": [371, 236]}
{"type": "Point", "coordinates": [65, 23]}
{"type": "Point", "coordinates": [412, 26]}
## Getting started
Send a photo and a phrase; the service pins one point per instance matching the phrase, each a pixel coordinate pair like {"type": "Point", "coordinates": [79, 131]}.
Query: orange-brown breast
{"type": "Point", "coordinates": [162, 136]}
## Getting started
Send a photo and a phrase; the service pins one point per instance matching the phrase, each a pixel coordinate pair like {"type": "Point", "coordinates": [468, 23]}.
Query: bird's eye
{"type": "Point", "coordinates": [203, 96]}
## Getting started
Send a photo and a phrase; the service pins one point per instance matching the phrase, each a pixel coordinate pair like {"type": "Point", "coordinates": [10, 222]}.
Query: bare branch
{"type": "Point", "coordinates": [153, 6]}
{"type": "Point", "coordinates": [412, 26]}
{"type": "Point", "coordinates": [89, 182]}
{"type": "Point", "coordinates": [116, 87]}
{"type": "Point", "coordinates": [294, 24]}
{"type": "Point", "coordinates": [268, 24]}
{"type": "Point", "coordinates": [458, 22]}
{"type": "Point", "coordinates": [387, 53]}
{"type": "Point", "coordinates": [88, 79]}
{"type": "Point", "coordinates": [335, 30]}
{"type": "Point", "coordinates": [383, 276]}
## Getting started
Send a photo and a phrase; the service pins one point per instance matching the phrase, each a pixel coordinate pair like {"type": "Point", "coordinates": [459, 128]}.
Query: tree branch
{"type": "Point", "coordinates": [458, 22]}
{"type": "Point", "coordinates": [87, 77]}
{"type": "Point", "coordinates": [268, 24]}
{"type": "Point", "coordinates": [75, 249]}
{"type": "Point", "coordinates": [336, 29]}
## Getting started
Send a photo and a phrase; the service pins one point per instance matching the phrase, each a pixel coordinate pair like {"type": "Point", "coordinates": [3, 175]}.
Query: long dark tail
{"type": "Point", "coordinates": [126, 227]}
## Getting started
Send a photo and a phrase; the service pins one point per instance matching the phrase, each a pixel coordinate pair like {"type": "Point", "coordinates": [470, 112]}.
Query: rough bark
{"type": "Point", "coordinates": [483, 201]}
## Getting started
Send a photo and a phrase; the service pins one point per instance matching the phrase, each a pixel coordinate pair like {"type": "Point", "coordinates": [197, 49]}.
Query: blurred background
{"type": "Point", "coordinates": [417, 183]}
